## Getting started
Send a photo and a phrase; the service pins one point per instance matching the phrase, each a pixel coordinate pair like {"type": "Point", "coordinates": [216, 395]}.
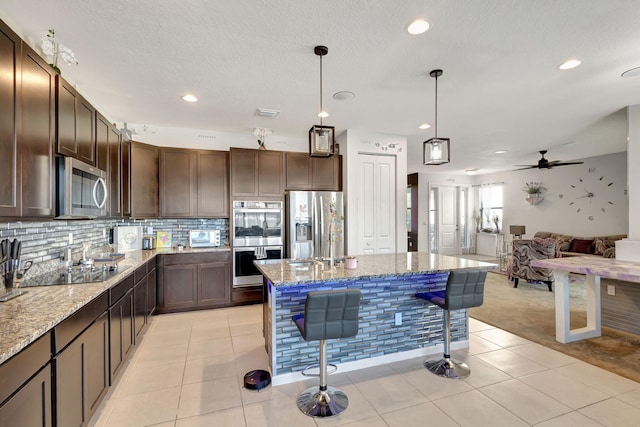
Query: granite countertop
{"type": "Point", "coordinates": [26, 318]}
{"type": "Point", "coordinates": [287, 272]}
{"type": "Point", "coordinates": [595, 266]}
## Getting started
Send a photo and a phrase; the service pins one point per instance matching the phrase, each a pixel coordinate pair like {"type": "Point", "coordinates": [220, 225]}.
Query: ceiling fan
{"type": "Point", "coordinates": [546, 164]}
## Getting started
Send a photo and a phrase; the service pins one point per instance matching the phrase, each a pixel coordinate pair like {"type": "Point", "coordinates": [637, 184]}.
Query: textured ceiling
{"type": "Point", "coordinates": [501, 87]}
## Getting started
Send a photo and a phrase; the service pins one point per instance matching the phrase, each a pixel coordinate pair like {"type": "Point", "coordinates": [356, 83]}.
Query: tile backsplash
{"type": "Point", "coordinates": [43, 242]}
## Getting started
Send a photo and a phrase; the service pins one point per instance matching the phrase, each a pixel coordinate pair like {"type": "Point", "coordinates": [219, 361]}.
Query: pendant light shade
{"type": "Point", "coordinates": [321, 138]}
{"type": "Point", "coordinates": [436, 150]}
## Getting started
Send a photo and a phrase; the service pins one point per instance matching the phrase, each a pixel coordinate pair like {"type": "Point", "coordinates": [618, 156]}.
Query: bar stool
{"type": "Point", "coordinates": [465, 289]}
{"type": "Point", "coordinates": [327, 315]}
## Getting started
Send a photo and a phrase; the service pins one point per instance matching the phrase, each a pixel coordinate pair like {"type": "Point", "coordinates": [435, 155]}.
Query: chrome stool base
{"type": "Point", "coordinates": [447, 368]}
{"type": "Point", "coordinates": [317, 403]}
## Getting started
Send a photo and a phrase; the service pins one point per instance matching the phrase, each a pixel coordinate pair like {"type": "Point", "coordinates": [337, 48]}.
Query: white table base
{"type": "Point", "coordinates": [564, 333]}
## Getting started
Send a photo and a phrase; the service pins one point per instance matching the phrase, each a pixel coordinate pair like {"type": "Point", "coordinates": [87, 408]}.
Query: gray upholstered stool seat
{"type": "Point", "coordinates": [465, 289]}
{"type": "Point", "coordinates": [327, 315]}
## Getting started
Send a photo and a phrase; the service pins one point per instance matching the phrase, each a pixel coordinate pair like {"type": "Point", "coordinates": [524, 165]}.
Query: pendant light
{"type": "Point", "coordinates": [436, 150]}
{"type": "Point", "coordinates": [321, 138]}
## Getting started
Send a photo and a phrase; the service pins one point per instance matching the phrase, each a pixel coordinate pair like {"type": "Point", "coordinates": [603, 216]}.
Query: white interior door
{"type": "Point", "coordinates": [448, 236]}
{"type": "Point", "coordinates": [376, 204]}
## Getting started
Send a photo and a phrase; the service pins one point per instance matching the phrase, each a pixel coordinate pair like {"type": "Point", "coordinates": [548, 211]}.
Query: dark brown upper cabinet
{"type": "Point", "coordinates": [75, 124]}
{"type": "Point", "coordinates": [144, 180]}
{"type": "Point", "coordinates": [36, 135]}
{"type": "Point", "coordinates": [212, 170]}
{"type": "Point", "coordinates": [125, 175]}
{"type": "Point", "coordinates": [108, 158]}
{"type": "Point", "coordinates": [256, 174]}
{"type": "Point", "coordinates": [177, 183]}
{"type": "Point", "coordinates": [10, 183]}
{"type": "Point", "coordinates": [194, 183]}
{"type": "Point", "coordinates": [313, 173]}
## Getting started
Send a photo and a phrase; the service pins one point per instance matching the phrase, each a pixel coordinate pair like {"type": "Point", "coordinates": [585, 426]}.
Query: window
{"type": "Point", "coordinates": [490, 196]}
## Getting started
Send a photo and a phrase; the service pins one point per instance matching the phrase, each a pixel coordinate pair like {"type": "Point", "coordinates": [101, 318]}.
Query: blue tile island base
{"type": "Point", "coordinates": [394, 325]}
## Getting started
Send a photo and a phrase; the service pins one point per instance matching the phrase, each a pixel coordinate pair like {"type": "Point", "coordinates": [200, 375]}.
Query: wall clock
{"type": "Point", "coordinates": [589, 194]}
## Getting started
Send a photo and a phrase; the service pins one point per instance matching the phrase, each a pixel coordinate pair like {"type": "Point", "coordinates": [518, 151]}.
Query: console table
{"type": "Point", "coordinates": [594, 268]}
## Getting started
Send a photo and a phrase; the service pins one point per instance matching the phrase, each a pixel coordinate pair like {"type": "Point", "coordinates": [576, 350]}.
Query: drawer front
{"type": "Point", "coordinates": [70, 328]}
{"type": "Point", "coordinates": [17, 370]}
{"type": "Point", "coordinates": [119, 290]}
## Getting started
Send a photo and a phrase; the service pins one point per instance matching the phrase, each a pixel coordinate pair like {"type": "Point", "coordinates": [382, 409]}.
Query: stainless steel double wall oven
{"type": "Point", "coordinates": [257, 230]}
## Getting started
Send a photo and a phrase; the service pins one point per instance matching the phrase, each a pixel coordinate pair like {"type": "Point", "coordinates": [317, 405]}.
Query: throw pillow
{"type": "Point", "coordinates": [609, 252]}
{"type": "Point", "coordinates": [582, 246]}
{"type": "Point", "coordinates": [602, 245]}
{"type": "Point", "coordinates": [564, 241]}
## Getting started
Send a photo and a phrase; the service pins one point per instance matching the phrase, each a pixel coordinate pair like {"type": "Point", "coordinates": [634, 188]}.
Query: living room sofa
{"type": "Point", "coordinates": [604, 246]}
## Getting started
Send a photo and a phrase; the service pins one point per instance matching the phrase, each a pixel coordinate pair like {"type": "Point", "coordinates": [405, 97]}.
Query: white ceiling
{"type": "Point", "coordinates": [501, 87]}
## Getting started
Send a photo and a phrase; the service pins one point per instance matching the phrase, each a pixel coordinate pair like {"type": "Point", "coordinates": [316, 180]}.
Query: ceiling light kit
{"type": "Point", "coordinates": [321, 138]}
{"type": "Point", "coordinates": [190, 98]}
{"type": "Point", "coordinates": [424, 126]}
{"type": "Point", "coordinates": [546, 164]}
{"type": "Point", "coordinates": [436, 150]}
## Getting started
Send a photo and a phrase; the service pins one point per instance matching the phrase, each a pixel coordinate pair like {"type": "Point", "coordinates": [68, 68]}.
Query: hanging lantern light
{"type": "Point", "coordinates": [436, 150]}
{"type": "Point", "coordinates": [321, 138]}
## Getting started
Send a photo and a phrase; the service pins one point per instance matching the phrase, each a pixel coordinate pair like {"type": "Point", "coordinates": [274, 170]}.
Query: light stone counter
{"type": "Point", "coordinates": [31, 315]}
{"type": "Point", "coordinates": [287, 272]}
{"type": "Point", "coordinates": [594, 268]}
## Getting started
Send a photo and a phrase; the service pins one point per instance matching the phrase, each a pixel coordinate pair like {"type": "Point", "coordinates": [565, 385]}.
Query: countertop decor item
{"type": "Point", "coordinates": [57, 50]}
{"type": "Point", "coordinates": [436, 150]}
{"type": "Point", "coordinates": [163, 239]}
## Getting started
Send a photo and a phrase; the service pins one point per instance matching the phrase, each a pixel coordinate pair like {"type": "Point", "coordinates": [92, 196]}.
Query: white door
{"type": "Point", "coordinates": [376, 204]}
{"type": "Point", "coordinates": [448, 236]}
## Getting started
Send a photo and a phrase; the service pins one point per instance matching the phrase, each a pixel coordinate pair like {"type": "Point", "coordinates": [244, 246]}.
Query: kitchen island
{"type": "Point", "coordinates": [394, 325]}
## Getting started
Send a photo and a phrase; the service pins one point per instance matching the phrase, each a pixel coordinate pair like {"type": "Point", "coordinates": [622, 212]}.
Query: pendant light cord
{"type": "Point", "coordinates": [436, 124]}
{"type": "Point", "coordinates": [321, 110]}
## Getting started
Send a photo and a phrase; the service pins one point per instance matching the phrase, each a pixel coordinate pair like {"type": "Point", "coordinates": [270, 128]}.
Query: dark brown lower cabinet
{"type": "Point", "coordinates": [31, 406]}
{"type": "Point", "coordinates": [193, 281]}
{"type": "Point", "coordinates": [151, 288]}
{"type": "Point", "coordinates": [82, 375]}
{"type": "Point", "coordinates": [25, 386]}
{"type": "Point", "coordinates": [120, 332]}
{"type": "Point", "coordinates": [139, 306]}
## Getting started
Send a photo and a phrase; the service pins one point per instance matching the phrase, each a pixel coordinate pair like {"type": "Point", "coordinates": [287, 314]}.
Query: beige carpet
{"type": "Point", "coordinates": [529, 311]}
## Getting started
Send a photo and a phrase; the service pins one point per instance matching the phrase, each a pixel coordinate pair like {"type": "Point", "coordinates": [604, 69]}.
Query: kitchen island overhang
{"type": "Point", "coordinates": [394, 325]}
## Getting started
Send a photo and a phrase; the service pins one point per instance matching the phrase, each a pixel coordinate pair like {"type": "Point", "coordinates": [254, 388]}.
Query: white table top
{"type": "Point", "coordinates": [595, 266]}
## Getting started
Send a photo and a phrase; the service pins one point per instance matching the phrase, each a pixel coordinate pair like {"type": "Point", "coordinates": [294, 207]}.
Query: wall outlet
{"type": "Point", "coordinates": [611, 290]}
{"type": "Point", "coordinates": [398, 319]}
{"type": "Point", "coordinates": [149, 230]}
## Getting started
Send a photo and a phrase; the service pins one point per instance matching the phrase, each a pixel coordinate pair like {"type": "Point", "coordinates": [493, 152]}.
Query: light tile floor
{"type": "Point", "coordinates": [188, 371]}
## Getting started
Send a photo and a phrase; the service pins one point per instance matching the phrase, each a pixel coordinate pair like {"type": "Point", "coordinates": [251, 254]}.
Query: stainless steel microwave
{"type": "Point", "coordinates": [81, 190]}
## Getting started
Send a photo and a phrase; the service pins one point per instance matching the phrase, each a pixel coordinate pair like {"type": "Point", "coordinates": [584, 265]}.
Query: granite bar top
{"type": "Point", "coordinates": [26, 318]}
{"type": "Point", "coordinates": [291, 272]}
{"type": "Point", "coordinates": [595, 266]}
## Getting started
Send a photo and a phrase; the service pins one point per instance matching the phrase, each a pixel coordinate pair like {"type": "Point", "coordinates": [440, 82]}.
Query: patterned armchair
{"type": "Point", "coordinates": [524, 251]}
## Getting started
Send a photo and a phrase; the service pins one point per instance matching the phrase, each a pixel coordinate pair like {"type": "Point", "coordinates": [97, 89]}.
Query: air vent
{"type": "Point", "coordinates": [267, 112]}
{"type": "Point", "coordinates": [207, 136]}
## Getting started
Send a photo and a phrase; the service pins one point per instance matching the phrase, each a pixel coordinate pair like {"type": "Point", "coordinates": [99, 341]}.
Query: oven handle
{"type": "Point", "coordinates": [258, 210]}
{"type": "Point", "coordinates": [253, 248]}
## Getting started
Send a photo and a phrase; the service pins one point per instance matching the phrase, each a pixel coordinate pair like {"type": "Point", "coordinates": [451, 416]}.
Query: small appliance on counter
{"type": "Point", "coordinates": [128, 238]}
{"type": "Point", "coordinates": [148, 242]}
{"type": "Point", "coordinates": [204, 238]}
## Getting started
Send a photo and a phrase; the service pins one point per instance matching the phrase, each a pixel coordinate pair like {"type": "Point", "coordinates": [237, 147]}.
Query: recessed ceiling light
{"type": "Point", "coordinates": [572, 63]}
{"type": "Point", "coordinates": [323, 114]}
{"type": "Point", "coordinates": [634, 72]}
{"type": "Point", "coordinates": [501, 151]}
{"type": "Point", "coordinates": [418, 26]}
{"type": "Point", "coordinates": [190, 98]}
{"type": "Point", "coordinates": [344, 95]}
{"type": "Point", "coordinates": [424, 126]}
{"type": "Point", "coordinates": [471, 171]}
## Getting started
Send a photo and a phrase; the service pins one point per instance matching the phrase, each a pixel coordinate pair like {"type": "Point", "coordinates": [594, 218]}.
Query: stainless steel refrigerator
{"type": "Point", "coordinates": [314, 225]}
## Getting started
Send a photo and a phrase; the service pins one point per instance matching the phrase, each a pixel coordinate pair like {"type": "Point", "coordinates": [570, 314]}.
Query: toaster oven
{"type": "Point", "coordinates": [204, 238]}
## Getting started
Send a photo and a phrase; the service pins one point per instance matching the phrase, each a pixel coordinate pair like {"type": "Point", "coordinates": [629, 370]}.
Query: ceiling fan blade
{"type": "Point", "coordinates": [526, 167]}
{"type": "Point", "coordinates": [566, 163]}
